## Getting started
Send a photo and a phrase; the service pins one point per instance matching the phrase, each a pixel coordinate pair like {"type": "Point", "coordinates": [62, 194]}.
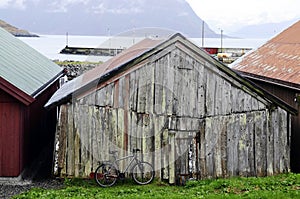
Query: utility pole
{"type": "Point", "coordinates": [67, 39]}
{"type": "Point", "coordinates": [221, 40]}
{"type": "Point", "coordinates": [202, 33]}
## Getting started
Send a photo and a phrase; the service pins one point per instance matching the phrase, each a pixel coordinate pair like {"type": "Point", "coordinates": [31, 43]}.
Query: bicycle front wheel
{"type": "Point", "coordinates": [106, 175]}
{"type": "Point", "coordinates": [143, 173]}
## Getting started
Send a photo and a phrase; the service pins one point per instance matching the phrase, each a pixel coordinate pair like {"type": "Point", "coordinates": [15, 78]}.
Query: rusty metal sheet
{"type": "Point", "coordinates": [279, 58]}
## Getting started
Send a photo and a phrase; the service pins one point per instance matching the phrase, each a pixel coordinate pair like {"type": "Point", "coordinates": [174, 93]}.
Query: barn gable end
{"type": "Point", "coordinates": [190, 116]}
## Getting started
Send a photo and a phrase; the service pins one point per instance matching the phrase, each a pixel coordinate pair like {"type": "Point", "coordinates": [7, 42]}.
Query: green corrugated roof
{"type": "Point", "coordinates": [23, 66]}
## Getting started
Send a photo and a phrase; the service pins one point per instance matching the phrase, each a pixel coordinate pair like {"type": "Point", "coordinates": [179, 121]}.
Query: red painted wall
{"type": "Point", "coordinates": [25, 131]}
{"type": "Point", "coordinates": [11, 136]}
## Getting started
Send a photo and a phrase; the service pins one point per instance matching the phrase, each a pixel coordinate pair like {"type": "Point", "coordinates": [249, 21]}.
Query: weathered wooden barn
{"type": "Point", "coordinates": [192, 116]}
{"type": "Point", "coordinates": [275, 66]}
{"type": "Point", "coordinates": [27, 81]}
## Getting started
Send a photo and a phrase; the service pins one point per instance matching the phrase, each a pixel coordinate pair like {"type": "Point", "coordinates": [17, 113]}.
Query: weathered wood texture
{"type": "Point", "coordinates": [189, 118]}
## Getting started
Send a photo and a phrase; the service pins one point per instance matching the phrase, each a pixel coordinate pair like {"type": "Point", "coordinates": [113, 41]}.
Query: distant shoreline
{"type": "Point", "coordinates": [16, 31]}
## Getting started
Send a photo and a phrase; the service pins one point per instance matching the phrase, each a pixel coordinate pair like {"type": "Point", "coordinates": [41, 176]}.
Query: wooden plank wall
{"type": "Point", "coordinates": [187, 116]}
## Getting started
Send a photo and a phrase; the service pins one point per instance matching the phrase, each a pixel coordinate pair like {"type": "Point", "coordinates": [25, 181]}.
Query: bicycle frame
{"type": "Point", "coordinates": [117, 160]}
{"type": "Point", "coordinates": [107, 173]}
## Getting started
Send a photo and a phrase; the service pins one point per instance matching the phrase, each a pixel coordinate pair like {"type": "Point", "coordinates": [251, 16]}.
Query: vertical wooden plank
{"type": "Point", "coordinates": [201, 87]}
{"type": "Point", "coordinates": [254, 105]}
{"type": "Point", "coordinates": [234, 99]}
{"type": "Point", "coordinates": [150, 87]}
{"type": "Point", "coordinates": [233, 140]}
{"type": "Point", "coordinates": [158, 123]}
{"type": "Point", "coordinates": [121, 94]}
{"type": "Point", "coordinates": [159, 105]}
{"type": "Point", "coordinates": [172, 157]}
{"type": "Point", "coordinates": [226, 98]}
{"type": "Point", "coordinates": [142, 89]}
{"type": "Point", "coordinates": [230, 146]}
{"type": "Point", "coordinates": [260, 143]}
{"type": "Point", "coordinates": [110, 94]}
{"type": "Point", "coordinates": [248, 102]}
{"type": "Point", "coordinates": [62, 138]}
{"type": "Point", "coordinates": [116, 94]}
{"type": "Point", "coordinates": [210, 93]}
{"type": "Point", "coordinates": [250, 132]}
{"type": "Point", "coordinates": [202, 151]}
{"type": "Point", "coordinates": [97, 140]}
{"type": "Point", "coordinates": [209, 144]}
{"type": "Point", "coordinates": [99, 97]}
{"type": "Point", "coordinates": [243, 146]}
{"type": "Point", "coordinates": [285, 118]}
{"type": "Point", "coordinates": [218, 95]}
{"type": "Point", "coordinates": [133, 91]}
{"type": "Point", "coordinates": [70, 143]}
{"type": "Point", "coordinates": [217, 124]}
{"type": "Point", "coordinates": [270, 143]}
{"type": "Point", "coordinates": [168, 84]}
{"type": "Point", "coordinates": [77, 154]}
{"type": "Point", "coordinates": [223, 145]}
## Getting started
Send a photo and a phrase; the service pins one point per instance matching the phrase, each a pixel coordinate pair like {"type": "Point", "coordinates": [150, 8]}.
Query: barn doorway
{"type": "Point", "coordinates": [187, 156]}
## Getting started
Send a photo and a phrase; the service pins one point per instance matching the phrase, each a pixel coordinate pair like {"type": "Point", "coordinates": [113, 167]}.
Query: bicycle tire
{"type": "Point", "coordinates": [143, 173]}
{"type": "Point", "coordinates": [106, 175]}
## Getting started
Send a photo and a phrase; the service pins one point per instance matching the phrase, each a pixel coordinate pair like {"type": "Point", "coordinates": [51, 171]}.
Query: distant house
{"type": "Point", "coordinates": [192, 116]}
{"type": "Point", "coordinates": [27, 81]}
{"type": "Point", "coordinates": [275, 66]}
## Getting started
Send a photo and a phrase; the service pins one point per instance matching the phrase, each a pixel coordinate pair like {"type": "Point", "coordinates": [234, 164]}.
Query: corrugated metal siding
{"type": "Point", "coordinates": [11, 158]}
{"type": "Point", "coordinates": [278, 59]}
{"type": "Point", "coordinates": [23, 66]}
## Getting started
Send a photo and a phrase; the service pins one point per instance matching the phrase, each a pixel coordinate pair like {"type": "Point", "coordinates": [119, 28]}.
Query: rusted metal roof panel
{"type": "Point", "coordinates": [279, 58]}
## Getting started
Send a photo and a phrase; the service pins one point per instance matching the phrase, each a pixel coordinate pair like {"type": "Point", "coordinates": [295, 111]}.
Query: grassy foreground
{"type": "Point", "coordinates": [281, 186]}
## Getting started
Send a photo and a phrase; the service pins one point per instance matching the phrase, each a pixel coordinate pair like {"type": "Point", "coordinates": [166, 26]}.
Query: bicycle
{"type": "Point", "coordinates": [107, 173]}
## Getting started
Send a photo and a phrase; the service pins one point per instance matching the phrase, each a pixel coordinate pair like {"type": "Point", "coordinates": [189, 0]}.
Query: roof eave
{"type": "Point", "coordinates": [16, 92]}
{"type": "Point", "coordinates": [269, 80]}
{"type": "Point", "coordinates": [49, 83]}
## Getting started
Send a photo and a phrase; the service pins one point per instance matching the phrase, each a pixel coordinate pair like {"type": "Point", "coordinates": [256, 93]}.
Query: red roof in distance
{"type": "Point", "coordinates": [277, 59]}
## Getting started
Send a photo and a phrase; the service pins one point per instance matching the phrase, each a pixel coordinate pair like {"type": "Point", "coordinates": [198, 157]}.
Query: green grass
{"type": "Point", "coordinates": [281, 186]}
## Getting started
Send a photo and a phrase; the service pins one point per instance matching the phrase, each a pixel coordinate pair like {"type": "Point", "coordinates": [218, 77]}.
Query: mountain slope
{"type": "Point", "coordinates": [103, 17]}
{"type": "Point", "coordinates": [15, 31]}
{"type": "Point", "coordinates": [267, 30]}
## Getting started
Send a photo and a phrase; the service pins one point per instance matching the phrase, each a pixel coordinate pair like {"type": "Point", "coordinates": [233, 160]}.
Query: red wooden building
{"type": "Point", "coordinates": [27, 81]}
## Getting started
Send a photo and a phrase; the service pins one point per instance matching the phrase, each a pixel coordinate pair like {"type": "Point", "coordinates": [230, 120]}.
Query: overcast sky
{"type": "Point", "coordinates": [232, 14]}
{"type": "Point", "coordinates": [228, 15]}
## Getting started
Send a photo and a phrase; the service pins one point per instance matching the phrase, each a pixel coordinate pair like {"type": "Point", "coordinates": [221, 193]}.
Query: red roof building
{"type": "Point", "coordinates": [275, 66]}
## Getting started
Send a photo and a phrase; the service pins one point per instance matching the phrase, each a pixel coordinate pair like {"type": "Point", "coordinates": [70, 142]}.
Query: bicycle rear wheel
{"type": "Point", "coordinates": [106, 175]}
{"type": "Point", "coordinates": [143, 173]}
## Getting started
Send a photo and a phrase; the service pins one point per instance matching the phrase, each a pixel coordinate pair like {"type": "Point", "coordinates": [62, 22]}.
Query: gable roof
{"type": "Point", "coordinates": [28, 71]}
{"type": "Point", "coordinates": [278, 59]}
{"type": "Point", "coordinates": [138, 53]}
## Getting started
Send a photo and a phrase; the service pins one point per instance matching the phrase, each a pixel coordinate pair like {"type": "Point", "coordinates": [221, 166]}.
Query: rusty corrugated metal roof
{"type": "Point", "coordinates": [279, 58]}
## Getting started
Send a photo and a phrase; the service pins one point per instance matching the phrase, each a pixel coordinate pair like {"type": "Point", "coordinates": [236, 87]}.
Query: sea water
{"type": "Point", "coordinates": [51, 45]}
